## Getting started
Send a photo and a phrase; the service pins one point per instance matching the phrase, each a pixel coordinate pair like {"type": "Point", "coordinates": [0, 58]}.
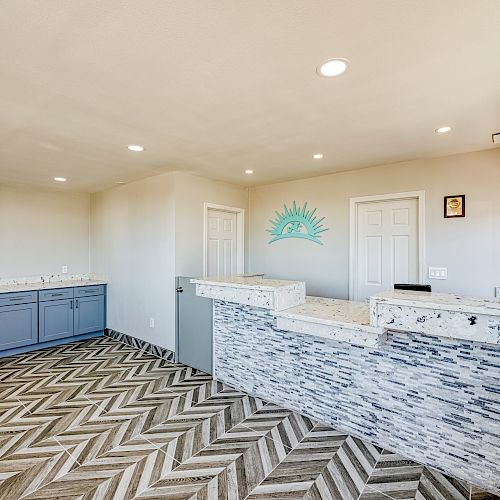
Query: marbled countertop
{"type": "Point", "coordinates": [25, 287]}
{"type": "Point", "coordinates": [334, 312]}
{"type": "Point", "coordinates": [443, 301]}
{"type": "Point", "coordinates": [254, 282]}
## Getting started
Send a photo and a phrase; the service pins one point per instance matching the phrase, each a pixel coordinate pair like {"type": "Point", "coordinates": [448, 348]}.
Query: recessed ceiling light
{"type": "Point", "coordinates": [249, 172]}
{"type": "Point", "coordinates": [317, 156]}
{"type": "Point", "coordinates": [443, 130]}
{"type": "Point", "coordinates": [332, 67]}
{"type": "Point", "coordinates": [135, 147]}
{"type": "Point", "coordinates": [60, 179]}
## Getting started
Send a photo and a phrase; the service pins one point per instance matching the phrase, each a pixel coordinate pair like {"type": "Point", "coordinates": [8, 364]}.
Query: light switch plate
{"type": "Point", "coordinates": [497, 291]}
{"type": "Point", "coordinates": [438, 273]}
{"type": "Point", "coordinates": [151, 322]}
{"type": "Point", "coordinates": [65, 269]}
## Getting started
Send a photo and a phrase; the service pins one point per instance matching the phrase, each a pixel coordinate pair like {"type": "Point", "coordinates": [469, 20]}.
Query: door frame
{"type": "Point", "coordinates": [240, 234]}
{"type": "Point", "coordinates": [353, 231]}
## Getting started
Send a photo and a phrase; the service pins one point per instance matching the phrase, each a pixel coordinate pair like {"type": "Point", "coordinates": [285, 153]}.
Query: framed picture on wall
{"type": "Point", "coordinates": [454, 206]}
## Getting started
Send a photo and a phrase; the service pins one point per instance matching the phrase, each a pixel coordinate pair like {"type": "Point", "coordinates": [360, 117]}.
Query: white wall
{"type": "Point", "coordinates": [43, 230]}
{"type": "Point", "coordinates": [143, 235]}
{"type": "Point", "coordinates": [191, 192]}
{"type": "Point", "coordinates": [133, 242]}
{"type": "Point", "coordinates": [469, 247]}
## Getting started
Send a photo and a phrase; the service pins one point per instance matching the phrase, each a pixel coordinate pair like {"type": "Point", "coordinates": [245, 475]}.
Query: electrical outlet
{"type": "Point", "coordinates": [151, 322]}
{"type": "Point", "coordinates": [438, 273]}
{"type": "Point", "coordinates": [65, 269]}
{"type": "Point", "coordinates": [497, 291]}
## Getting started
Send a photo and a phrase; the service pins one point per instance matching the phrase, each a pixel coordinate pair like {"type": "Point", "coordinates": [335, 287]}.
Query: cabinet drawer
{"type": "Point", "coordinates": [55, 294]}
{"type": "Point", "coordinates": [11, 299]}
{"type": "Point", "coordinates": [87, 291]}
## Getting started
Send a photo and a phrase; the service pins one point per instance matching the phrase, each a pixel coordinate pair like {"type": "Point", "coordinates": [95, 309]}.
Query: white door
{"type": "Point", "coordinates": [387, 245]}
{"type": "Point", "coordinates": [222, 243]}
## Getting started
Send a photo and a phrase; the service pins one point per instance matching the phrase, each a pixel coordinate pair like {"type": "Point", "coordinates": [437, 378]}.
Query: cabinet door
{"type": "Point", "coordinates": [18, 325]}
{"type": "Point", "coordinates": [56, 319]}
{"type": "Point", "coordinates": [89, 314]}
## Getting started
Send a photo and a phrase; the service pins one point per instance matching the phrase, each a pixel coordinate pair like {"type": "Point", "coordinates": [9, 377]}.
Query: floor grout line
{"type": "Point", "coordinates": [270, 436]}
{"type": "Point", "coordinates": [24, 406]}
{"type": "Point", "coordinates": [180, 413]}
{"type": "Point", "coordinates": [369, 487]}
{"type": "Point", "coordinates": [373, 470]}
{"type": "Point", "coordinates": [277, 465]}
{"type": "Point", "coordinates": [200, 450]}
{"type": "Point", "coordinates": [184, 404]}
{"type": "Point", "coordinates": [66, 450]}
{"type": "Point", "coordinates": [160, 449]}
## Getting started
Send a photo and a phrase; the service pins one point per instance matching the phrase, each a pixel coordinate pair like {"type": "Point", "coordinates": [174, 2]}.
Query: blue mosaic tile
{"type": "Point", "coordinates": [433, 399]}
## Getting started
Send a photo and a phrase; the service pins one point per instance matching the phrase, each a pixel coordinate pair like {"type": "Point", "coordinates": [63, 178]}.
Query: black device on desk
{"type": "Point", "coordinates": [412, 286]}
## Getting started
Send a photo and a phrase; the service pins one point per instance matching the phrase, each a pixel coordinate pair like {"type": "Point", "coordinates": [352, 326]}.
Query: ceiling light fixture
{"type": "Point", "coordinates": [318, 156]}
{"type": "Point", "coordinates": [443, 130]}
{"type": "Point", "coordinates": [60, 179]}
{"type": "Point", "coordinates": [135, 147]}
{"type": "Point", "coordinates": [249, 172]}
{"type": "Point", "coordinates": [332, 67]}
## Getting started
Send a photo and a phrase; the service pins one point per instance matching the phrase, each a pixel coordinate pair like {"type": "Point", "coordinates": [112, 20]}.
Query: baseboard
{"type": "Point", "coordinates": [152, 349]}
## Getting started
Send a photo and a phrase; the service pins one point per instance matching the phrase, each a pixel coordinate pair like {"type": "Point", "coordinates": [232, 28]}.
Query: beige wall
{"type": "Point", "coordinates": [143, 235]}
{"type": "Point", "coordinates": [191, 192]}
{"type": "Point", "coordinates": [133, 242]}
{"type": "Point", "coordinates": [43, 230]}
{"type": "Point", "coordinates": [469, 247]}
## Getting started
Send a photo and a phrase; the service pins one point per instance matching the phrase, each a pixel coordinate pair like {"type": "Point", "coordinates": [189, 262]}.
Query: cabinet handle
{"type": "Point", "coordinates": [76, 303]}
{"type": "Point", "coordinates": [71, 304]}
{"type": "Point", "coordinates": [19, 298]}
{"type": "Point", "coordinates": [56, 294]}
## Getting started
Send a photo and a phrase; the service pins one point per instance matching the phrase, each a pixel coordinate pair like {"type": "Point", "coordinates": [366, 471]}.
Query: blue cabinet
{"type": "Point", "coordinates": [34, 319]}
{"type": "Point", "coordinates": [89, 314]}
{"type": "Point", "coordinates": [18, 325]}
{"type": "Point", "coordinates": [55, 319]}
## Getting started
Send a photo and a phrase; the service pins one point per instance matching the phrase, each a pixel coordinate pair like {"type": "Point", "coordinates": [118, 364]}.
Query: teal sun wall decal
{"type": "Point", "coordinates": [296, 222]}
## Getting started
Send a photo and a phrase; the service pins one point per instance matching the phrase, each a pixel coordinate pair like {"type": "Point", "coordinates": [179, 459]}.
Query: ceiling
{"type": "Point", "coordinates": [217, 87]}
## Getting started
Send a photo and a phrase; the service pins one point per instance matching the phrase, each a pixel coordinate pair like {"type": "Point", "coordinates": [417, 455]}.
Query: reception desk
{"type": "Point", "coordinates": [414, 372]}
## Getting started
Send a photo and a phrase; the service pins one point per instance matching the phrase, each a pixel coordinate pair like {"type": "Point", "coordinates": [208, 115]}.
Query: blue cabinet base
{"type": "Point", "coordinates": [50, 343]}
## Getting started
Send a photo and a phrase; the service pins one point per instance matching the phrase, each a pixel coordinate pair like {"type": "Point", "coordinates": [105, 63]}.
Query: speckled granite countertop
{"type": "Point", "coordinates": [253, 291]}
{"type": "Point", "coordinates": [342, 320]}
{"type": "Point", "coordinates": [25, 287]}
{"type": "Point", "coordinates": [330, 311]}
{"type": "Point", "coordinates": [254, 282]}
{"type": "Point", "coordinates": [50, 281]}
{"type": "Point", "coordinates": [439, 314]}
{"type": "Point", "coordinates": [443, 301]}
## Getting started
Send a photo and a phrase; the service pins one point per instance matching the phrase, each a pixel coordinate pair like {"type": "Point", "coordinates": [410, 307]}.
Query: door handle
{"type": "Point", "coordinates": [179, 289]}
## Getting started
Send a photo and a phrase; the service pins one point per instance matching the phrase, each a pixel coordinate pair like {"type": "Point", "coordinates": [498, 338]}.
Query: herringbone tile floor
{"type": "Point", "coordinates": [101, 420]}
